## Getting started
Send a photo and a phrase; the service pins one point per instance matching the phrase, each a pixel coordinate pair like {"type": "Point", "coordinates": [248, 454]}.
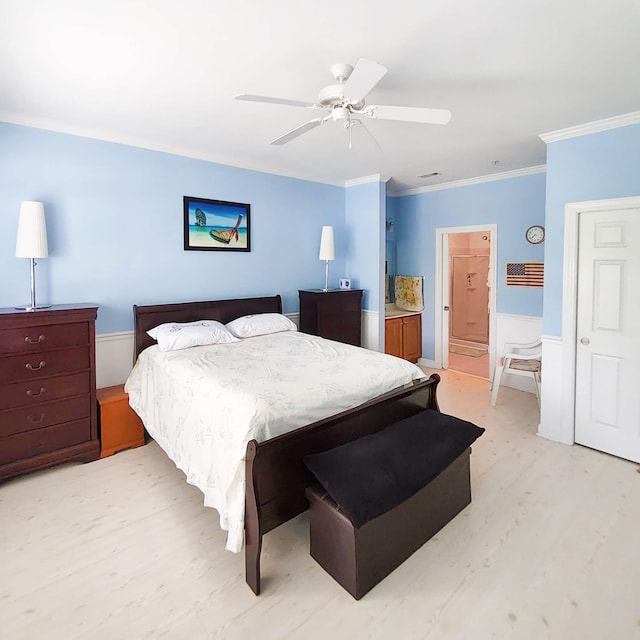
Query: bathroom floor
{"type": "Point", "coordinates": [473, 366]}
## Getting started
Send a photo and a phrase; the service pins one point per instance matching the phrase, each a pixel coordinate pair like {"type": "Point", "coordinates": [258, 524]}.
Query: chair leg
{"type": "Point", "coordinates": [536, 384]}
{"type": "Point", "coordinates": [496, 384]}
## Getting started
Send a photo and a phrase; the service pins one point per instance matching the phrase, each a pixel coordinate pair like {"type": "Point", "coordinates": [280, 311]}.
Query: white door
{"type": "Point", "coordinates": [607, 412]}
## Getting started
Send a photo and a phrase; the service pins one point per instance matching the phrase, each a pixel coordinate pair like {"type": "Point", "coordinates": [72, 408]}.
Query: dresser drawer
{"type": "Point", "coordinates": [44, 415]}
{"type": "Point", "coordinates": [47, 387]}
{"type": "Point", "coordinates": [38, 441]}
{"type": "Point", "coordinates": [44, 390]}
{"type": "Point", "coordinates": [39, 365]}
{"type": "Point", "coordinates": [39, 338]}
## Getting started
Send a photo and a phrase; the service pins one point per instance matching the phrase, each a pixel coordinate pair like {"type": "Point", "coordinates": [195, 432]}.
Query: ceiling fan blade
{"type": "Point", "coordinates": [298, 131]}
{"type": "Point", "coordinates": [365, 75]}
{"type": "Point", "coordinates": [290, 103]}
{"type": "Point", "coordinates": [408, 114]}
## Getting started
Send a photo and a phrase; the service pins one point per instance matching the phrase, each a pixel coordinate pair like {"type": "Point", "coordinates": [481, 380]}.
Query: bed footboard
{"type": "Point", "coordinates": [276, 477]}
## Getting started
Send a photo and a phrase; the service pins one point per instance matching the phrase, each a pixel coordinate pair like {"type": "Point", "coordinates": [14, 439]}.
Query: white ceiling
{"type": "Point", "coordinates": [163, 74]}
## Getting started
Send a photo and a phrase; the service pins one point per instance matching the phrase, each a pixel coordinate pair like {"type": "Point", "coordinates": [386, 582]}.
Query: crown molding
{"type": "Point", "coordinates": [139, 143]}
{"type": "Point", "coordinates": [591, 127]}
{"type": "Point", "coordinates": [376, 177]}
{"type": "Point", "coordinates": [504, 175]}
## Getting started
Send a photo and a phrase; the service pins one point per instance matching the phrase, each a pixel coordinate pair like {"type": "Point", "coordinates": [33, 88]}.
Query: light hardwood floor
{"type": "Point", "coordinates": [122, 548]}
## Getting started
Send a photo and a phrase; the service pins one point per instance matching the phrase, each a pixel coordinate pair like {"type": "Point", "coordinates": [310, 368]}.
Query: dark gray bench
{"type": "Point", "coordinates": [381, 497]}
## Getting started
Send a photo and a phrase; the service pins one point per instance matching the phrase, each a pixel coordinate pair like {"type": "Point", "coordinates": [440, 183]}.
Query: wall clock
{"type": "Point", "coordinates": [535, 234]}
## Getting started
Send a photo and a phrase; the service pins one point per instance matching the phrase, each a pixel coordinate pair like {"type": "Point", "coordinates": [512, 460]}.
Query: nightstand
{"type": "Point", "coordinates": [333, 314]}
{"type": "Point", "coordinates": [120, 426]}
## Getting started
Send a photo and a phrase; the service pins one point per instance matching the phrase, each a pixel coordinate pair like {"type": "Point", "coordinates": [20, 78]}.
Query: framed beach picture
{"type": "Point", "coordinates": [216, 225]}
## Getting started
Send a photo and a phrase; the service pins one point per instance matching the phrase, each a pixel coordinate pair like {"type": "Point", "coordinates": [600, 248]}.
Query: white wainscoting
{"type": "Point", "coordinates": [515, 328]}
{"type": "Point", "coordinates": [509, 328]}
{"type": "Point", "coordinates": [370, 330]}
{"type": "Point", "coordinates": [555, 422]}
{"type": "Point", "coordinates": [114, 355]}
{"type": "Point", "coordinates": [114, 358]}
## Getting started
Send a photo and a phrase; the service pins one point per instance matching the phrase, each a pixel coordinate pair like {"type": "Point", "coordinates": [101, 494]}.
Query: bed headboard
{"type": "Point", "coordinates": [149, 316]}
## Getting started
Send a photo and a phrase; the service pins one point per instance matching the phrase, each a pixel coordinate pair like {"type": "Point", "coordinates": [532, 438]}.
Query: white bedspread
{"type": "Point", "coordinates": [202, 405]}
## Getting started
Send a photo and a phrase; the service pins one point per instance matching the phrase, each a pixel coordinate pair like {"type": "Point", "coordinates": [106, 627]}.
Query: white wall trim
{"type": "Point", "coordinates": [511, 327]}
{"type": "Point", "coordinates": [294, 317]}
{"type": "Point", "coordinates": [565, 432]}
{"type": "Point", "coordinates": [113, 337]}
{"type": "Point", "coordinates": [441, 268]}
{"type": "Point", "coordinates": [551, 394]}
{"type": "Point", "coordinates": [370, 330]}
{"type": "Point", "coordinates": [591, 127]}
{"type": "Point", "coordinates": [430, 364]}
{"type": "Point", "coordinates": [517, 316]}
{"type": "Point", "coordinates": [114, 355]}
{"type": "Point", "coordinates": [114, 358]}
{"type": "Point", "coordinates": [376, 177]}
{"type": "Point", "coordinates": [516, 173]}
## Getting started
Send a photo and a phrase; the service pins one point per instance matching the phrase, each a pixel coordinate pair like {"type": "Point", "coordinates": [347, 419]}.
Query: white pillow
{"type": "Point", "coordinates": [172, 336]}
{"type": "Point", "coordinates": [260, 324]}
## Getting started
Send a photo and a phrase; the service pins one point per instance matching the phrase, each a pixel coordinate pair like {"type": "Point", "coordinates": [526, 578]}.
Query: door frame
{"type": "Point", "coordinates": [442, 289]}
{"type": "Point", "coordinates": [572, 211]}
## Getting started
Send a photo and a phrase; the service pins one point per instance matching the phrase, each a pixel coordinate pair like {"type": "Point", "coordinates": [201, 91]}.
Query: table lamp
{"type": "Point", "coordinates": [327, 252]}
{"type": "Point", "coordinates": [32, 243]}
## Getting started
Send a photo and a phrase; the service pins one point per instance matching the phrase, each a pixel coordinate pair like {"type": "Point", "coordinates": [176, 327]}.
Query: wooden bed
{"type": "Point", "coordinates": [276, 477]}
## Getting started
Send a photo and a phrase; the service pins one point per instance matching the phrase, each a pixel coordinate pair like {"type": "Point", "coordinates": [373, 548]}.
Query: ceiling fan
{"type": "Point", "coordinates": [345, 102]}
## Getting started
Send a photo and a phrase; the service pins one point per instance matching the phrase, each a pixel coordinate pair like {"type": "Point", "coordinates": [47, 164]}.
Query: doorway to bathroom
{"type": "Point", "coordinates": [466, 294]}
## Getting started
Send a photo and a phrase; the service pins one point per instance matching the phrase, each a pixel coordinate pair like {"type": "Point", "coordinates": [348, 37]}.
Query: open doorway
{"type": "Point", "coordinates": [469, 302]}
{"type": "Point", "coordinates": [465, 299]}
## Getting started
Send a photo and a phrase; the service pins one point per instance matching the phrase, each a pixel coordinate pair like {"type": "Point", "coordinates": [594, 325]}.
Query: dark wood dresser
{"type": "Point", "coordinates": [48, 410]}
{"type": "Point", "coordinates": [333, 314]}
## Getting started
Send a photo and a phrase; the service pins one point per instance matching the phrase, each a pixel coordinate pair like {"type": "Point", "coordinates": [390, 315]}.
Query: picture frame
{"type": "Point", "coordinates": [216, 225]}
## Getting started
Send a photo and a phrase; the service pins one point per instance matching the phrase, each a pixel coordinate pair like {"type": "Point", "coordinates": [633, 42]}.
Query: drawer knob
{"type": "Point", "coordinates": [35, 421]}
{"type": "Point", "coordinates": [32, 368]}
{"type": "Point", "coordinates": [32, 393]}
{"type": "Point", "coordinates": [30, 341]}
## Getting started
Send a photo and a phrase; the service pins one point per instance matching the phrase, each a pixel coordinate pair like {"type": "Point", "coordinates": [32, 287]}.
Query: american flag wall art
{"type": "Point", "coordinates": [524, 274]}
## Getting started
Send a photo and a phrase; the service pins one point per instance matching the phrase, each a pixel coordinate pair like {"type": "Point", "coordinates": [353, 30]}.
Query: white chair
{"type": "Point", "coordinates": [519, 360]}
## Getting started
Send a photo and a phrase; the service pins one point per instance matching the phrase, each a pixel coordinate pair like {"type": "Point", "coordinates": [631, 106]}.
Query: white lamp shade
{"type": "Point", "coordinates": [32, 231]}
{"type": "Point", "coordinates": [327, 249]}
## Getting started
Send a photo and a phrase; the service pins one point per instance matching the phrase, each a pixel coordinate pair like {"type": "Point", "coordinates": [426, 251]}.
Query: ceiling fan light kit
{"type": "Point", "coordinates": [346, 99]}
{"type": "Point", "coordinates": [340, 113]}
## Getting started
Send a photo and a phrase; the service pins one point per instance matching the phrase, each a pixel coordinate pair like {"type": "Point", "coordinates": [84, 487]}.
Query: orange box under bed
{"type": "Point", "coordinates": [120, 426]}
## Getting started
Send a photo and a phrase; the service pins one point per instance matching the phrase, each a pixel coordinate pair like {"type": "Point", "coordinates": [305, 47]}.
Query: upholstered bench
{"type": "Point", "coordinates": [381, 497]}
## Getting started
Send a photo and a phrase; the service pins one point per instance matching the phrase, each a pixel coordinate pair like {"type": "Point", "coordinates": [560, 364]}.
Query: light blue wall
{"type": "Point", "coordinates": [591, 167]}
{"type": "Point", "coordinates": [390, 236]}
{"type": "Point", "coordinates": [364, 218]}
{"type": "Point", "coordinates": [513, 204]}
{"type": "Point", "coordinates": [114, 220]}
